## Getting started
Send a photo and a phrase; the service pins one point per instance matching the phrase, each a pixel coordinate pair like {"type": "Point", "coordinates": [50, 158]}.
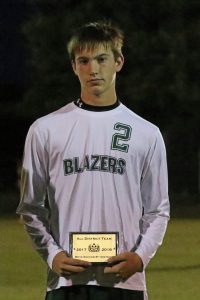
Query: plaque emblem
{"type": "Point", "coordinates": [94, 248]}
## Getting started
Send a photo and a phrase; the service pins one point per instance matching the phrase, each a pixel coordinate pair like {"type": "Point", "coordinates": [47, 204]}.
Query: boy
{"type": "Point", "coordinates": [103, 170]}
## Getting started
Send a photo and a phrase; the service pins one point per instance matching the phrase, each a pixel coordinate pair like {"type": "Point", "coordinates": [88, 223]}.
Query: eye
{"type": "Point", "coordinates": [102, 59]}
{"type": "Point", "coordinates": [83, 61]}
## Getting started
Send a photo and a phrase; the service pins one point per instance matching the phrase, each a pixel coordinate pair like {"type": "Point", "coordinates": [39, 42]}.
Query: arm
{"type": "Point", "coordinates": [154, 192]}
{"type": "Point", "coordinates": [34, 184]}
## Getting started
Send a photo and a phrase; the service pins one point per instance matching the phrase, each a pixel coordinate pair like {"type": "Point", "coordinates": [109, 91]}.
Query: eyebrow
{"type": "Point", "coordinates": [95, 57]}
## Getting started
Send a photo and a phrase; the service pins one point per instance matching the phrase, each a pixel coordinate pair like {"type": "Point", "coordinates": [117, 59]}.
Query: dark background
{"type": "Point", "coordinates": [160, 79]}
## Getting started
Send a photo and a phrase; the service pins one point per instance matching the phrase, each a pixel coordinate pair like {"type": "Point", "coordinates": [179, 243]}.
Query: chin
{"type": "Point", "coordinates": [96, 92]}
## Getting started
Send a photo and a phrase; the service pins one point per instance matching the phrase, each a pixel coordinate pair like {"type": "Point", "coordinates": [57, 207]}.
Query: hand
{"type": "Point", "coordinates": [64, 265]}
{"type": "Point", "coordinates": [124, 265]}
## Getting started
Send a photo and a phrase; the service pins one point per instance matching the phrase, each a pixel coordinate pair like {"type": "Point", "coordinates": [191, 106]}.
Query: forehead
{"type": "Point", "coordinates": [96, 50]}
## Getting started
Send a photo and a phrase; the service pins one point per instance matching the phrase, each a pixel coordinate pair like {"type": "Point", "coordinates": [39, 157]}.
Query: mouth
{"type": "Point", "coordinates": [95, 81]}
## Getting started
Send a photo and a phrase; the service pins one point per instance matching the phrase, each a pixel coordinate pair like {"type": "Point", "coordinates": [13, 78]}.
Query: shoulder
{"type": "Point", "coordinates": [56, 115]}
{"type": "Point", "coordinates": [138, 123]}
{"type": "Point", "coordinates": [143, 131]}
{"type": "Point", "coordinates": [42, 126]}
{"type": "Point", "coordinates": [51, 119]}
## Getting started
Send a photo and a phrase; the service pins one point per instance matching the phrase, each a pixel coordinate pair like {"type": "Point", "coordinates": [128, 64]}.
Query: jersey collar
{"type": "Point", "coordinates": [79, 102]}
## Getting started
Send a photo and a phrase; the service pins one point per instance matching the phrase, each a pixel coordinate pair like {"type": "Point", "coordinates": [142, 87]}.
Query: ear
{"type": "Point", "coordinates": [119, 63]}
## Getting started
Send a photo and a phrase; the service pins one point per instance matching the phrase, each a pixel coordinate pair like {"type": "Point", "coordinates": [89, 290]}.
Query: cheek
{"type": "Point", "coordinates": [112, 73]}
{"type": "Point", "coordinates": [82, 71]}
{"type": "Point", "coordinates": [79, 73]}
{"type": "Point", "coordinates": [81, 78]}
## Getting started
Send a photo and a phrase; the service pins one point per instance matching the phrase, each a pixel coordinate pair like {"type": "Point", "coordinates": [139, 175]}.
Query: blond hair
{"type": "Point", "coordinates": [92, 35]}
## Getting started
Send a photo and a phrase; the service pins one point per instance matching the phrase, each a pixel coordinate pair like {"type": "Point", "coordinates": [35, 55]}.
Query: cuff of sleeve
{"type": "Point", "coordinates": [51, 257]}
{"type": "Point", "coordinates": [145, 259]}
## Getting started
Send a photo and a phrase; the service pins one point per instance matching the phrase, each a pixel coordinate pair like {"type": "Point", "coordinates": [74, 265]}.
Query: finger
{"type": "Point", "coordinates": [115, 260]}
{"type": "Point", "coordinates": [115, 272]}
{"type": "Point", "coordinates": [117, 268]}
{"type": "Point", "coordinates": [65, 273]}
{"type": "Point", "coordinates": [109, 270]}
{"type": "Point", "coordinates": [72, 269]}
{"type": "Point", "coordinates": [77, 262]}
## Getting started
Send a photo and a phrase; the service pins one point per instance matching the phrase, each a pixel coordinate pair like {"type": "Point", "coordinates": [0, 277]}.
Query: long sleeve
{"type": "Point", "coordinates": [154, 192]}
{"type": "Point", "coordinates": [33, 193]}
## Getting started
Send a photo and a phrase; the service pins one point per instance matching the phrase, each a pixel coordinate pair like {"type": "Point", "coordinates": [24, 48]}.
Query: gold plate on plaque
{"type": "Point", "coordinates": [96, 247]}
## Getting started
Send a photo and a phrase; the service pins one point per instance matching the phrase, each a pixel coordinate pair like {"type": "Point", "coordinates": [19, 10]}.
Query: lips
{"type": "Point", "coordinates": [95, 81]}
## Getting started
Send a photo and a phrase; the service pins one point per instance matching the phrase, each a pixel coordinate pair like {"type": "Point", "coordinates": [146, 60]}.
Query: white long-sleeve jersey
{"type": "Point", "coordinates": [102, 172]}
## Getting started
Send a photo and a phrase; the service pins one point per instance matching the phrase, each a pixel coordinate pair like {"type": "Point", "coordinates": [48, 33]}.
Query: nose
{"type": "Point", "coordinates": [93, 68]}
{"type": "Point", "coordinates": [93, 74]}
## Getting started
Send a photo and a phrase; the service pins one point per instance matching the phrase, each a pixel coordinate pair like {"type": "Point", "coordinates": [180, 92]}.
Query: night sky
{"type": "Point", "coordinates": [12, 49]}
{"type": "Point", "coordinates": [13, 81]}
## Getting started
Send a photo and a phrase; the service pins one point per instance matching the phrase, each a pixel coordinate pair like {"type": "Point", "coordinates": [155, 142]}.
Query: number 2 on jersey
{"type": "Point", "coordinates": [118, 138]}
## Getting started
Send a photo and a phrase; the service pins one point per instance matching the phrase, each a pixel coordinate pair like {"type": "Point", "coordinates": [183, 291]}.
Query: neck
{"type": "Point", "coordinates": [99, 100]}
